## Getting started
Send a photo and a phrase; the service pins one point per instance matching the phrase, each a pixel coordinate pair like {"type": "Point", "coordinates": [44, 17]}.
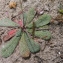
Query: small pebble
{"type": "Point", "coordinates": [56, 22]}
{"type": "Point", "coordinates": [59, 53]}
{"type": "Point", "coordinates": [39, 11]}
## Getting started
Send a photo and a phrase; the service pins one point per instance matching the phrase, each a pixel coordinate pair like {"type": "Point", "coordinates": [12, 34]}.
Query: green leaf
{"type": "Point", "coordinates": [28, 17]}
{"type": "Point", "coordinates": [24, 50]}
{"type": "Point", "coordinates": [10, 45]}
{"type": "Point", "coordinates": [7, 22]}
{"type": "Point", "coordinates": [46, 35]}
{"type": "Point", "coordinates": [42, 20]}
{"type": "Point", "coordinates": [29, 30]}
{"type": "Point", "coordinates": [61, 11]}
{"type": "Point", "coordinates": [33, 46]}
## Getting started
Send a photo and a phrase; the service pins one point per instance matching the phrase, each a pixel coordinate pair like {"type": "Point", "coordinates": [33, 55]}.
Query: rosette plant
{"type": "Point", "coordinates": [28, 29]}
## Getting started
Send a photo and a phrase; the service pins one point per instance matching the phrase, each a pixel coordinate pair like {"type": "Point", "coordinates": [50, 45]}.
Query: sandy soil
{"type": "Point", "coordinates": [53, 52]}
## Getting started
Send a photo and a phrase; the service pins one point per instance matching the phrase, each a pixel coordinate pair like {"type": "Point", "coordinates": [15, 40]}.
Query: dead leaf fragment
{"type": "Point", "coordinates": [12, 4]}
{"type": "Point", "coordinates": [9, 35]}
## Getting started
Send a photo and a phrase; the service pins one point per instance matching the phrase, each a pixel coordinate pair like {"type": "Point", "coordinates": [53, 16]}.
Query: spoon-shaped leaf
{"type": "Point", "coordinates": [24, 50]}
{"type": "Point", "coordinates": [28, 17]}
{"type": "Point", "coordinates": [9, 47]}
{"type": "Point", "coordinates": [41, 21]}
{"type": "Point", "coordinates": [33, 46]}
{"type": "Point", "coordinates": [7, 22]}
{"type": "Point", "coordinates": [46, 35]}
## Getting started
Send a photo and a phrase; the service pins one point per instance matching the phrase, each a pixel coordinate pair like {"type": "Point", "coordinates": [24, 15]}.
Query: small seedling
{"type": "Point", "coordinates": [27, 29]}
{"type": "Point", "coordinates": [61, 8]}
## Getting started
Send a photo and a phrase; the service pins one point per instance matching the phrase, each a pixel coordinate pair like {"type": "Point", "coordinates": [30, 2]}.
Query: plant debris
{"type": "Point", "coordinates": [9, 35]}
{"type": "Point", "coordinates": [12, 4]}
